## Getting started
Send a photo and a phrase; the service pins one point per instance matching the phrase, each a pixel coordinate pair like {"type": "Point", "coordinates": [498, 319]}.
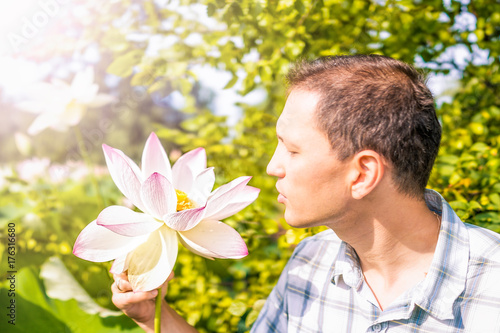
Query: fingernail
{"type": "Point", "coordinates": [154, 292]}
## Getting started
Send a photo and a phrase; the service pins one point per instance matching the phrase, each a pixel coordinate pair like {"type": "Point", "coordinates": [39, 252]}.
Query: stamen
{"type": "Point", "coordinates": [183, 202]}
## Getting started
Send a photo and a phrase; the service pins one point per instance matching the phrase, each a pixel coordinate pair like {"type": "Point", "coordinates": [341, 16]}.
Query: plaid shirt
{"type": "Point", "coordinates": [322, 287]}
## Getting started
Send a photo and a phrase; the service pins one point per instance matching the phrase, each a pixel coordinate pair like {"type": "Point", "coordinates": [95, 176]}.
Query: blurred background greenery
{"type": "Point", "coordinates": [206, 73]}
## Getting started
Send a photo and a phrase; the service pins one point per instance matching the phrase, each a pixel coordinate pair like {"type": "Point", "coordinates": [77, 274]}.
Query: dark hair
{"type": "Point", "coordinates": [378, 103]}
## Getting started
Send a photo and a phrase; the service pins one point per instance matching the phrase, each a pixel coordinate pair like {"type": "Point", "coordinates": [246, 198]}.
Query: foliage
{"type": "Point", "coordinates": [255, 41]}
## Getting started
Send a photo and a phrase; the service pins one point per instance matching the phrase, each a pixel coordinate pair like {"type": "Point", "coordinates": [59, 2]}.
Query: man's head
{"type": "Point", "coordinates": [371, 102]}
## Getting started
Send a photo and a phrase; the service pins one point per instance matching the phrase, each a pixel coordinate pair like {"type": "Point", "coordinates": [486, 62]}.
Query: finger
{"type": "Point", "coordinates": [121, 286]}
{"type": "Point", "coordinates": [122, 276]}
{"type": "Point", "coordinates": [123, 300]}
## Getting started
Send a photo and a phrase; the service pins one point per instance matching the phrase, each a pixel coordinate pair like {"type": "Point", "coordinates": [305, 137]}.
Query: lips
{"type": "Point", "coordinates": [281, 197]}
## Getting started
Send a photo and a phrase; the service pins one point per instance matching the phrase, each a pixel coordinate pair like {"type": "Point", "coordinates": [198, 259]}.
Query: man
{"type": "Point", "coordinates": [356, 143]}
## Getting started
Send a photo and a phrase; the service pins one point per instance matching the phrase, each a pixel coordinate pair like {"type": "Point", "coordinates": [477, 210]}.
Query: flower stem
{"type": "Point", "coordinates": [158, 312]}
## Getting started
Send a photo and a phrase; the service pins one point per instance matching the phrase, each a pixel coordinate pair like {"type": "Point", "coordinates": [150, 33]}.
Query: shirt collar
{"type": "Point", "coordinates": [347, 267]}
{"type": "Point", "coordinates": [447, 275]}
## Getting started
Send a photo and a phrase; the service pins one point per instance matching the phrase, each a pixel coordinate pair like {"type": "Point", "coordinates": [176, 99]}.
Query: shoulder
{"type": "Point", "coordinates": [326, 238]}
{"type": "Point", "coordinates": [483, 271]}
{"type": "Point", "coordinates": [481, 297]}
{"type": "Point", "coordinates": [316, 251]}
{"type": "Point", "coordinates": [484, 243]}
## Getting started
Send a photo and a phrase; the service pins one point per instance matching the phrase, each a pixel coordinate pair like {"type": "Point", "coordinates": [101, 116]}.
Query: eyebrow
{"type": "Point", "coordinates": [286, 142]}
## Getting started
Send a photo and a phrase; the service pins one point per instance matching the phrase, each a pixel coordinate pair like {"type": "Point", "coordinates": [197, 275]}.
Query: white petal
{"type": "Point", "coordinates": [223, 195]}
{"type": "Point", "coordinates": [126, 222]}
{"type": "Point", "coordinates": [214, 239]}
{"type": "Point", "coordinates": [125, 174]}
{"type": "Point", "coordinates": [42, 122]}
{"type": "Point", "coordinates": [150, 264]}
{"type": "Point", "coordinates": [158, 195]}
{"type": "Point", "coordinates": [60, 127]}
{"type": "Point", "coordinates": [195, 161]}
{"type": "Point", "coordinates": [248, 195]}
{"type": "Point", "coordinates": [83, 79]}
{"type": "Point", "coordinates": [73, 114]}
{"type": "Point", "coordinates": [131, 163]}
{"type": "Point", "coordinates": [183, 180]}
{"type": "Point", "coordinates": [185, 219]}
{"type": "Point", "coordinates": [202, 186]}
{"type": "Point", "coordinates": [155, 159]}
{"type": "Point", "coordinates": [97, 243]}
{"type": "Point", "coordinates": [45, 97]}
{"type": "Point", "coordinates": [88, 95]}
{"type": "Point", "coordinates": [83, 87]}
{"type": "Point", "coordinates": [204, 254]}
{"type": "Point", "coordinates": [119, 265]}
{"type": "Point", "coordinates": [35, 107]}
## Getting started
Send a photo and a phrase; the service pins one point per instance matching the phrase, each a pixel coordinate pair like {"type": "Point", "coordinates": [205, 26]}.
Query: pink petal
{"type": "Point", "coordinates": [158, 195]}
{"type": "Point", "coordinates": [126, 222]}
{"type": "Point", "coordinates": [97, 243]}
{"type": "Point", "coordinates": [119, 265]}
{"type": "Point", "coordinates": [248, 195]}
{"type": "Point", "coordinates": [155, 159]}
{"type": "Point", "coordinates": [125, 174]}
{"type": "Point", "coordinates": [150, 264]}
{"type": "Point", "coordinates": [202, 186]}
{"type": "Point", "coordinates": [185, 219]}
{"type": "Point", "coordinates": [195, 161]}
{"type": "Point", "coordinates": [224, 195]}
{"type": "Point", "coordinates": [214, 239]}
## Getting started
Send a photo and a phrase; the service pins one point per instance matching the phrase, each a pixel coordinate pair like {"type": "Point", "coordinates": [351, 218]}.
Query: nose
{"type": "Point", "coordinates": [275, 167]}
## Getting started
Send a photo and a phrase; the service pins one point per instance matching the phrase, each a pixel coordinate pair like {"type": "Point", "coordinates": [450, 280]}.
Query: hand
{"type": "Point", "coordinates": [140, 306]}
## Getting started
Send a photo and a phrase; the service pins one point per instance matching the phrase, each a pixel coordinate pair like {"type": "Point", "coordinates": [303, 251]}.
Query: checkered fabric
{"type": "Point", "coordinates": [322, 287]}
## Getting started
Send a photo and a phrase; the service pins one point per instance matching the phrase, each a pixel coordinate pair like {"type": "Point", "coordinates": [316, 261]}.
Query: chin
{"type": "Point", "coordinates": [299, 222]}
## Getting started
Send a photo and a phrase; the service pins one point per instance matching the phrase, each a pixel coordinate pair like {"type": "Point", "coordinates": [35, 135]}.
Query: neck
{"type": "Point", "coordinates": [395, 239]}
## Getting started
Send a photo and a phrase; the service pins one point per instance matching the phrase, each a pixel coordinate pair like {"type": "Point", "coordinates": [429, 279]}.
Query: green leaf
{"type": "Point", "coordinates": [123, 65]}
{"type": "Point", "coordinates": [231, 82]}
{"type": "Point", "coordinates": [449, 159]}
{"type": "Point", "coordinates": [237, 308]}
{"type": "Point", "coordinates": [60, 284]}
{"type": "Point", "coordinates": [211, 9]}
{"type": "Point", "coordinates": [236, 9]}
{"type": "Point", "coordinates": [479, 146]}
{"type": "Point", "coordinates": [459, 205]}
{"type": "Point", "coordinates": [488, 217]}
{"type": "Point", "coordinates": [36, 312]}
{"type": "Point", "coordinates": [144, 78]}
{"type": "Point", "coordinates": [495, 199]}
{"type": "Point", "coordinates": [251, 318]}
{"type": "Point", "coordinates": [299, 5]}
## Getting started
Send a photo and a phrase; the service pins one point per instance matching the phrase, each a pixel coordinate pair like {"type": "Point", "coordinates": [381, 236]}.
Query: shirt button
{"type": "Point", "coordinates": [377, 327]}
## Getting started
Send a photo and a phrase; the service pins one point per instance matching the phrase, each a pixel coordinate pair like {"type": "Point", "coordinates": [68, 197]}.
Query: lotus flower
{"type": "Point", "coordinates": [60, 105]}
{"type": "Point", "coordinates": [177, 203]}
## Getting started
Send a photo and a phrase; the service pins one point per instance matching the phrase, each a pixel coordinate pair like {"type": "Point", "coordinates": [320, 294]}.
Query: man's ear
{"type": "Point", "coordinates": [368, 167]}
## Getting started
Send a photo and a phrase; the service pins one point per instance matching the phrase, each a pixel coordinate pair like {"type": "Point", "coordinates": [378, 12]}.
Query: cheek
{"type": "Point", "coordinates": [305, 187]}
{"type": "Point", "coordinates": [320, 189]}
